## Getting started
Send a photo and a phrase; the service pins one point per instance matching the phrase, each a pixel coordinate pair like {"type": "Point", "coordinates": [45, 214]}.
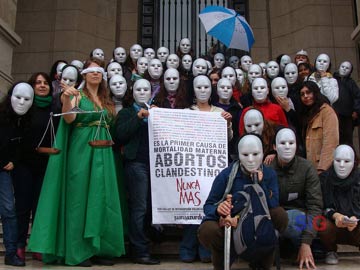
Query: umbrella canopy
{"type": "Point", "coordinates": [227, 26]}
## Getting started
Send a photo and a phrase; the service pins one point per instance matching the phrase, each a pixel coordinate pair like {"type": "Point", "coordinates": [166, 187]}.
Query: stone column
{"type": "Point", "coordinates": [8, 41]}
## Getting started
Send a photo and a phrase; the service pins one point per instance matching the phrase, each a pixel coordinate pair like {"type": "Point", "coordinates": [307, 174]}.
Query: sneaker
{"type": "Point", "coordinates": [14, 260]}
{"type": "Point", "coordinates": [332, 258]}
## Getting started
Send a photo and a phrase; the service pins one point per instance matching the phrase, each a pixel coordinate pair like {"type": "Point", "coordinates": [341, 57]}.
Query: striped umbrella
{"type": "Point", "coordinates": [227, 26]}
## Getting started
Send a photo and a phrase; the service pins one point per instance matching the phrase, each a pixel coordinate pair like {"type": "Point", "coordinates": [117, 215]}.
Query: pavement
{"type": "Point", "coordinates": [347, 261]}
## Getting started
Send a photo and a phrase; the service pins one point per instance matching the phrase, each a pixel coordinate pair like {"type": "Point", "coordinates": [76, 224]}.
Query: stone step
{"type": "Point", "coordinates": [168, 243]}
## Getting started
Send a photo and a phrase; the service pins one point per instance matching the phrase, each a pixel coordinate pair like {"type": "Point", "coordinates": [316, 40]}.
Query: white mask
{"type": "Point", "coordinates": [272, 69]}
{"type": "Point", "coordinates": [142, 92]}
{"type": "Point", "coordinates": [186, 62]}
{"type": "Point", "coordinates": [224, 90]}
{"type": "Point", "coordinates": [22, 98]}
{"type": "Point", "coordinates": [260, 90]}
{"type": "Point", "coordinates": [199, 67]}
{"type": "Point", "coordinates": [285, 145]}
{"type": "Point", "coordinates": [285, 59]}
{"type": "Point", "coordinates": [250, 152]}
{"type": "Point", "coordinates": [69, 76]}
{"type": "Point", "coordinates": [114, 68]}
{"type": "Point", "coordinates": [142, 65]}
{"type": "Point", "coordinates": [219, 60]}
{"type": "Point", "coordinates": [253, 122]}
{"type": "Point", "coordinates": [136, 51]}
{"type": "Point", "coordinates": [98, 53]}
{"type": "Point", "coordinates": [234, 61]}
{"type": "Point", "coordinates": [322, 62]}
{"type": "Point", "coordinates": [246, 62]}
{"type": "Point", "coordinates": [149, 53]}
{"type": "Point", "coordinates": [172, 61]}
{"type": "Point", "coordinates": [345, 69]}
{"type": "Point", "coordinates": [171, 80]}
{"type": "Point", "coordinates": [78, 64]}
{"type": "Point", "coordinates": [344, 161]}
{"type": "Point", "coordinates": [118, 86]}
{"type": "Point", "coordinates": [291, 73]}
{"type": "Point", "coordinates": [155, 68]}
{"type": "Point", "coordinates": [263, 67]}
{"type": "Point", "coordinates": [185, 45]}
{"type": "Point", "coordinates": [59, 67]}
{"type": "Point", "coordinates": [202, 88]}
{"type": "Point", "coordinates": [162, 54]}
{"type": "Point", "coordinates": [279, 87]}
{"type": "Point", "coordinates": [120, 55]}
{"type": "Point", "coordinates": [255, 71]}
{"type": "Point", "coordinates": [229, 73]}
{"type": "Point", "coordinates": [240, 76]}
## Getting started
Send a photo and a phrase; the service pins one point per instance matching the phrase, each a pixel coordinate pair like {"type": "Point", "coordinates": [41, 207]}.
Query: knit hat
{"type": "Point", "coordinates": [302, 52]}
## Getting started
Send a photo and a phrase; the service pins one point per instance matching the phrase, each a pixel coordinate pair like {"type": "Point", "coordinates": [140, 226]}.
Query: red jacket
{"type": "Point", "coordinates": [272, 112]}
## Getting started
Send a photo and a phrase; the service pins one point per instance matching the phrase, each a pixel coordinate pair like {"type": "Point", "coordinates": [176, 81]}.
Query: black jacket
{"type": "Point", "coordinates": [12, 139]}
{"type": "Point", "coordinates": [349, 96]}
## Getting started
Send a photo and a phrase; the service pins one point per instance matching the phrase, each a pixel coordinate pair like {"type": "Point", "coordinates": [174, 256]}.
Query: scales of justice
{"type": "Point", "coordinates": [96, 143]}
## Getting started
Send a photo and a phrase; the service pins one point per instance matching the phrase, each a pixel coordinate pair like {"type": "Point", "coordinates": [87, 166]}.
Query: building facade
{"type": "Point", "coordinates": [36, 33]}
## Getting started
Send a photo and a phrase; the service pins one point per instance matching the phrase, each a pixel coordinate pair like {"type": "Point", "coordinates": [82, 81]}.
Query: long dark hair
{"type": "Point", "coordinates": [103, 92]}
{"type": "Point", "coordinates": [181, 100]}
{"type": "Point", "coordinates": [53, 69]}
{"type": "Point", "coordinates": [33, 78]}
{"type": "Point", "coordinates": [306, 113]}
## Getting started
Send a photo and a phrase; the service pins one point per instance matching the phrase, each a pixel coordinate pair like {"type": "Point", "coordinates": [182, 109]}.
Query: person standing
{"type": "Point", "coordinates": [78, 220]}
{"type": "Point", "coordinates": [319, 125]}
{"type": "Point", "coordinates": [29, 175]}
{"type": "Point", "coordinates": [14, 124]}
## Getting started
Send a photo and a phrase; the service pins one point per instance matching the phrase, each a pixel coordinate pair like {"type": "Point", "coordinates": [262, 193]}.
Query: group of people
{"type": "Point", "coordinates": [74, 152]}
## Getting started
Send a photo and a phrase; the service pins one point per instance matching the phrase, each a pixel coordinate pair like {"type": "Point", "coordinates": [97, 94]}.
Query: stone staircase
{"type": "Point", "coordinates": [167, 245]}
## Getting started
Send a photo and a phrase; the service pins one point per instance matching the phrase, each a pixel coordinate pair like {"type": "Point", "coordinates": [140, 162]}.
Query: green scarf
{"type": "Point", "coordinates": [42, 102]}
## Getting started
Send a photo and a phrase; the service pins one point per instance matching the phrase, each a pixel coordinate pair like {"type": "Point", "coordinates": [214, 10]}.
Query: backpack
{"type": "Point", "coordinates": [255, 234]}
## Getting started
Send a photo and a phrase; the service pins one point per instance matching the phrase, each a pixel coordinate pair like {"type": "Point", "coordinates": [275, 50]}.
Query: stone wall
{"type": "Point", "coordinates": [259, 21]}
{"type": "Point", "coordinates": [128, 16]}
{"type": "Point", "coordinates": [66, 29]}
{"type": "Point", "coordinates": [322, 26]}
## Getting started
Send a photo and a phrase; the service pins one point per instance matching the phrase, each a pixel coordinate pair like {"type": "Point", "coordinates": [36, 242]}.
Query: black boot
{"type": "Point", "coordinates": [14, 260]}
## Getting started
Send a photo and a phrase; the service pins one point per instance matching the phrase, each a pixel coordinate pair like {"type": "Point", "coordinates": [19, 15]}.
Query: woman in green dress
{"type": "Point", "coordinates": [78, 219]}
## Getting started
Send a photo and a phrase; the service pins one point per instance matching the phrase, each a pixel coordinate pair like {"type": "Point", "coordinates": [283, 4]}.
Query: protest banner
{"type": "Point", "coordinates": [188, 149]}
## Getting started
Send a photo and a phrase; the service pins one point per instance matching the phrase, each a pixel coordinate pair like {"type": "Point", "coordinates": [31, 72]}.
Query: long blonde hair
{"type": "Point", "coordinates": [103, 93]}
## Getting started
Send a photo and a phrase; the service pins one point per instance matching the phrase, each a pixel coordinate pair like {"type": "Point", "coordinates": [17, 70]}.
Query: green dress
{"type": "Point", "coordinates": [79, 212]}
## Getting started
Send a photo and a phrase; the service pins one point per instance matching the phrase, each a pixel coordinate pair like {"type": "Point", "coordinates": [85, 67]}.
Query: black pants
{"type": "Point", "coordinates": [27, 187]}
{"type": "Point", "coordinates": [345, 130]}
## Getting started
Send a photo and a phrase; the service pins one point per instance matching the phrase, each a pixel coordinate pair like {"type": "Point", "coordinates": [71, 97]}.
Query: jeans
{"type": "Point", "coordinates": [296, 225]}
{"type": "Point", "coordinates": [7, 212]}
{"type": "Point", "coordinates": [27, 187]}
{"type": "Point", "coordinates": [138, 188]}
{"type": "Point", "coordinates": [190, 246]}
